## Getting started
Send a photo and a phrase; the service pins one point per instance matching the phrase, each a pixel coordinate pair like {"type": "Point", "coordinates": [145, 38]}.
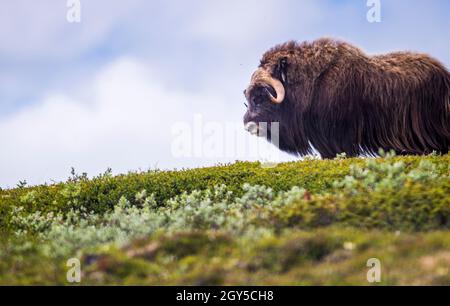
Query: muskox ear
{"type": "Point", "coordinates": [282, 68]}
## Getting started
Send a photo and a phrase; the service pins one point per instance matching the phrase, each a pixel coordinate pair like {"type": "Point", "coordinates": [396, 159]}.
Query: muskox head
{"type": "Point", "coordinates": [268, 101]}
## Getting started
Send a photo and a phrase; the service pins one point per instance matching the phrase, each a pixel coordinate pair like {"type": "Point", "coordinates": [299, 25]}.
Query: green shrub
{"type": "Point", "coordinates": [174, 223]}
{"type": "Point", "coordinates": [101, 193]}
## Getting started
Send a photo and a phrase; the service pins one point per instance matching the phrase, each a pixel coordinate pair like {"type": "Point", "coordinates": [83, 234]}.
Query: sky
{"type": "Point", "coordinates": [138, 85]}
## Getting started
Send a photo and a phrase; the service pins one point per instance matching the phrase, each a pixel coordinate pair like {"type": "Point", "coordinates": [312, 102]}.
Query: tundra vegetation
{"type": "Point", "coordinates": [306, 222]}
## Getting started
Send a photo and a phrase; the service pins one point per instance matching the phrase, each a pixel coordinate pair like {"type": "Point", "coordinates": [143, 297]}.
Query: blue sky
{"type": "Point", "coordinates": [107, 91]}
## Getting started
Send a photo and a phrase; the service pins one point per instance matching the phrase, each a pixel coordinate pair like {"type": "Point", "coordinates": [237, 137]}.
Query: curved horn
{"type": "Point", "coordinates": [263, 76]}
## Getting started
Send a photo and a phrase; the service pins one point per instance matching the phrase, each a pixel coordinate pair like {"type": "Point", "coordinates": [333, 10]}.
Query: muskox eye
{"type": "Point", "coordinates": [282, 66]}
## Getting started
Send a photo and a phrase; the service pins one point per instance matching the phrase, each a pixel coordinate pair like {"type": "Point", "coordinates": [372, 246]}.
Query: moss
{"type": "Point", "coordinates": [180, 245]}
{"type": "Point", "coordinates": [331, 255]}
{"type": "Point", "coordinates": [297, 257]}
{"type": "Point", "coordinates": [280, 255]}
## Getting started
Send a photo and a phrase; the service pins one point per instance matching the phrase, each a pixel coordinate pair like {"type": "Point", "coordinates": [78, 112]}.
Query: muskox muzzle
{"type": "Point", "coordinates": [262, 91]}
{"type": "Point", "coordinates": [251, 127]}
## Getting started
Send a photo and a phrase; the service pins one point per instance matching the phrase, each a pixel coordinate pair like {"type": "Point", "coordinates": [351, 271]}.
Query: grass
{"type": "Point", "coordinates": [301, 223]}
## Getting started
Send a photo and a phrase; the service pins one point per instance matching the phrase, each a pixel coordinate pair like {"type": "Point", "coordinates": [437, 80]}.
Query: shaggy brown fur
{"type": "Point", "coordinates": [338, 99]}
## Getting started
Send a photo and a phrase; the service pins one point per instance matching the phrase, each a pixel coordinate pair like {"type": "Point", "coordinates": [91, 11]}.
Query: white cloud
{"type": "Point", "coordinates": [244, 23]}
{"type": "Point", "coordinates": [126, 126]}
{"type": "Point", "coordinates": [40, 30]}
{"type": "Point", "coordinates": [236, 21]}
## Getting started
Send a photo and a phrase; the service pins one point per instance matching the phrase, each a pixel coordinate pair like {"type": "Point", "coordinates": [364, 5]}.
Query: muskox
{"type": "Point", "coordinates": [330, 97]}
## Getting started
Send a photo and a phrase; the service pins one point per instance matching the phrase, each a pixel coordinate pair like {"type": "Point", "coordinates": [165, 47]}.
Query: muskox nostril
{"type": "Point", "coordinates": [252, 128]}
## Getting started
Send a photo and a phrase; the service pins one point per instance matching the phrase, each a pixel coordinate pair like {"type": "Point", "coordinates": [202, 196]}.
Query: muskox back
{"type": "Point", "coordinates": [338, 99]}
{"type": "Point", "coordinates": [399, 101]}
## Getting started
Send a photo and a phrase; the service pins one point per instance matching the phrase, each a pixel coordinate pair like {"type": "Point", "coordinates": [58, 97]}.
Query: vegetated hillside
{"type": "Point", "coordinates": [306, 222]}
